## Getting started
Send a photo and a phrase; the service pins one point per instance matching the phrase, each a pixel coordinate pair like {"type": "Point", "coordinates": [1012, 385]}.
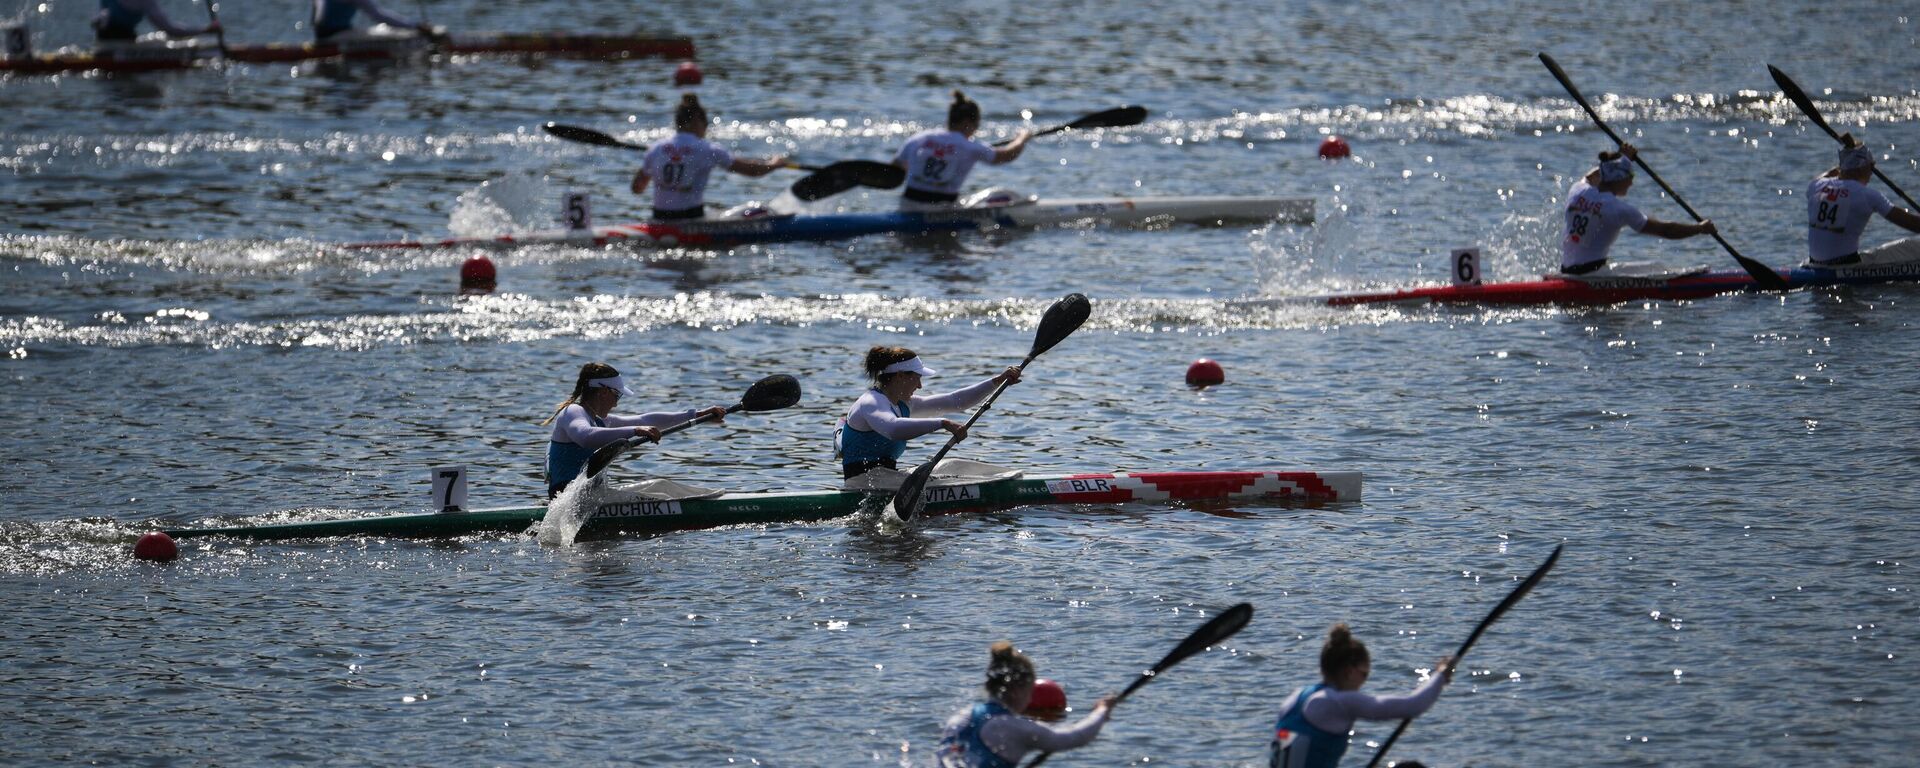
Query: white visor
{"type": "Point", "coordinates": [614, 383]}
{"type": "Point", "coordinates": [909, 365]}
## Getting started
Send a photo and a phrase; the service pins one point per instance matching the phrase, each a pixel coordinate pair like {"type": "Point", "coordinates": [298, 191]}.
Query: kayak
{"type": "Point", "coordinates": [147, 58]}
{"type": "Point", "coordinates": [1898, 261]}
{"type": "Point", "coordinates": [731, 232]}
{"type": "Point", "coordinates": [619, 512]}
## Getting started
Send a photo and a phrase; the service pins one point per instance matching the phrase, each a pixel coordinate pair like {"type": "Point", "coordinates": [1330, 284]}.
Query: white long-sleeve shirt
{"type": "Point", "coordinates": [575, 426]}
{"type": "Point", "coordinates": [873, 413]}
{"type": "Point", "coordinates": [1335, 711]}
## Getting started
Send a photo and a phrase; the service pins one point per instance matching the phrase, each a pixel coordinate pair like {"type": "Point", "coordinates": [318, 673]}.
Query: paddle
{"type": "Point", "coordinates": [1765, 277]}
{"type": "Point", "coordinates": [769, 394]}
{"type": "Point", "coordinates": [1799, 98]}
{"type": "Point", "coordinates": [826, 180]}
{"type": "Point", "coordinates": [1056, 324]}
{"type": "Point", "coordinates": [1218, 628]}
{"type": "Point", "coordinates": [824, 185]}
{"type": "Point", "coordinates": [1498, 610]}
{"type": "Point", "coordinates": [219, 33]}
{"type": "Point", "coordinates": [1118, 117]}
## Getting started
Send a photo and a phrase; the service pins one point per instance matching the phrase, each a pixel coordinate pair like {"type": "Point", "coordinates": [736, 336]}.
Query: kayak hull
{"type": "Point", "coordinates": [1894, 262]}
{"type": "Point", "coordinates": [647, 516]}
{"type": "Point", "coordinates": [145, 58]}
{"type": "Point", "coordinates": [729, 233]}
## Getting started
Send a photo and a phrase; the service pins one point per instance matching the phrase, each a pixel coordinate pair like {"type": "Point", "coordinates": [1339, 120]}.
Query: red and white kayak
{"type": "Point", "coordinates": [146, 57]}
{"type": "Point", "coordinates": [1898, 261]}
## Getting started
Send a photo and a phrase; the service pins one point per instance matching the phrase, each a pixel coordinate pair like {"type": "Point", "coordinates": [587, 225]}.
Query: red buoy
{"type": "Point", "coordinates": [1335, 148]}
{"type": "Point", "coordinates": [1205, 373]}
{"type": "Point", "coordinates": [688, 73]}
{"type": "Point", "coordinates": [477, 275]}
{"type": "Point", "coordinates": [1049, 701]}
{"type": "Point", "coordinates": [156, 546]}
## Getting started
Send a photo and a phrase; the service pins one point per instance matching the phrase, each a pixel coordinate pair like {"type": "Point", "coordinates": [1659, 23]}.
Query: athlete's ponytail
{"type": "Point", "coordinates": [962, 112]}
{"type": "Point", "coordinates": [1008, 670]}
{"type": "Point", "coordinates": [689, 115]}
{"type": "Point", "coordinates": [1342, 652]}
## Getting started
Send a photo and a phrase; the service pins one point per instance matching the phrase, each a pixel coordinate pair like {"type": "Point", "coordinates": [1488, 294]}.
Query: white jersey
{"type": "Point", "coordinates": [1594, 219]}
{"type": "Point", "coordinates": [872, 412]}
{"type": "Point", "coordinates": [1837, 212]}
{"type": "Point", "coordinates": [679, 168]}
{"type": "Point", "coordinates": [939, 161]}
{"type": "Point", "coordinates": [574, 426]}
{"type": "Point", "coordinates": [1336, 711]}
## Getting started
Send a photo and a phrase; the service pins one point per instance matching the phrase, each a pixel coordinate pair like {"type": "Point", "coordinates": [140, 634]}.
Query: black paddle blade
{"type": "Point", "coordinates": [771, 394]}
{"type": "Point", "coordinates": [607, 453]}
{"type": "Point", "coordinates": [912, 494]}
{"type": "Point", "coordinates": [1059, 322]}
{"type": "Point", "coordinates": [587, 136]}
{"type": "Point", "coordinates": [839, 177]}
{"type": "Point", "coordinates": [1113, 118]}
{"type": "Point", "coordinates": [1220, 627]}
{"type": "Point", "coordinates": [1799, 98]}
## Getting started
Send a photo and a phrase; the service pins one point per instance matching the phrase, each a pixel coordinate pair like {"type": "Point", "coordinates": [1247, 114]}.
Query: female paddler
{"type": "Point", "coordinates": [678, 167]}
{"type": "Point", "coordinates": [585, 422]}
{"type": "Point", "coordinates": [1839, 203]}
{"type": "Point", "coordinates": [1597, 210]}
{"type": "Point", "coordinates": [1313, 727]}
{"type": "Point", "coordinates": [990, 734]}
{"type": "Point", "coordinates": [937, 162]}
{"type": "Point", "coordinates": [879, 424]}
{"type": "Point", "coordinates": [118, 21]}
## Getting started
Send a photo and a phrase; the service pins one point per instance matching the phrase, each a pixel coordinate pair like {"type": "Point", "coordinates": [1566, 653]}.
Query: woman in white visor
{"type": "Point", "coordinates": [878, 426]}
{"type": "Point", "coordinates": [585, 422]}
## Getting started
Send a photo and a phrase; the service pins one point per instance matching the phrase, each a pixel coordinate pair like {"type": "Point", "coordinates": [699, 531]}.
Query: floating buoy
{"type": "Point", "coordinates": [156, 546]}
{"type": "Point", "coordinates": [477, 275]}
{"type": "Point", "coordinates": [1335, 148]}
{"type": "Point", "coordinates": [1049, 700]}
{"type": "Point", "coordinates": [688, 73]}
{"type": "Point", "coordinates": [1205, 373]}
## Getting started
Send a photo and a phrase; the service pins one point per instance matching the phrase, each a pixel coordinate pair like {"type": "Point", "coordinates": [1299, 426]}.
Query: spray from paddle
{"type": "Point", "coordinates": [570, 511]}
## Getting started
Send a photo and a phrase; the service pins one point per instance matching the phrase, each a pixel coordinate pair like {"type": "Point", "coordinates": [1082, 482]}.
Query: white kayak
{"type": "Point", "coordinates": [991, 212]}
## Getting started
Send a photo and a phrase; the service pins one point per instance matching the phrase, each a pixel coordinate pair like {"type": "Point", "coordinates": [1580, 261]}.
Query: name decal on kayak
{"type": "Point", "coordinates": [941, 493]}
{"type": "Point", "coordinates": [1081, 485]}
{"type": "Point", "coordinates": [661, 508]}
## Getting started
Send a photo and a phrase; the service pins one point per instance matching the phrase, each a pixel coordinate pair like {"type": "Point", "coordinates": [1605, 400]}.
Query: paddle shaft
{"type": "Point", "coordinates": [955, 439]}
{"type": "Point", "coordinates": [1800, 99]}
{"type": "Point", "coordinates": [1766, 277]}
{"type": "Point", "coordinates": [1498, 611]}
{"type": "Point", "coordinates": [600, 139]}
{"type": "Point", "coordinates": [1112, 118]}
{"type": "Point", "coordinates": [1218, 628]}
{"type": "Point", "coordinates": [219, 32]}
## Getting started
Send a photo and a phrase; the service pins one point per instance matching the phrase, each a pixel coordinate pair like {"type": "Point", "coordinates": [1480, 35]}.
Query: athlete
{"type": "Point", "coordinates": [1595, 213]}
{"type": "Point", "coordinates": [1313, 727]}
{"type": "Point", "coordinates": [876, 429]}
{"type": "Point", "coordinates": [119, 20]}
{"type": "Point", "coordinates": [334, 18]}
{"type": "Point", "coordinates": [1839, 204]}
{"type": "Point", "coordinates": [678, 168]}
{"type": "Point", "coordinates": [585, 422]}
{"type": "Point", "coordinates": [990, 734]}
{"type": "Point", "coordinates": [937, 162]}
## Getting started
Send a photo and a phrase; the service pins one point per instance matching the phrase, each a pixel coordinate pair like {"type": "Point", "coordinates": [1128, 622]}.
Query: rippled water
{"type": "Point", "coordinates": [185, 347]}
